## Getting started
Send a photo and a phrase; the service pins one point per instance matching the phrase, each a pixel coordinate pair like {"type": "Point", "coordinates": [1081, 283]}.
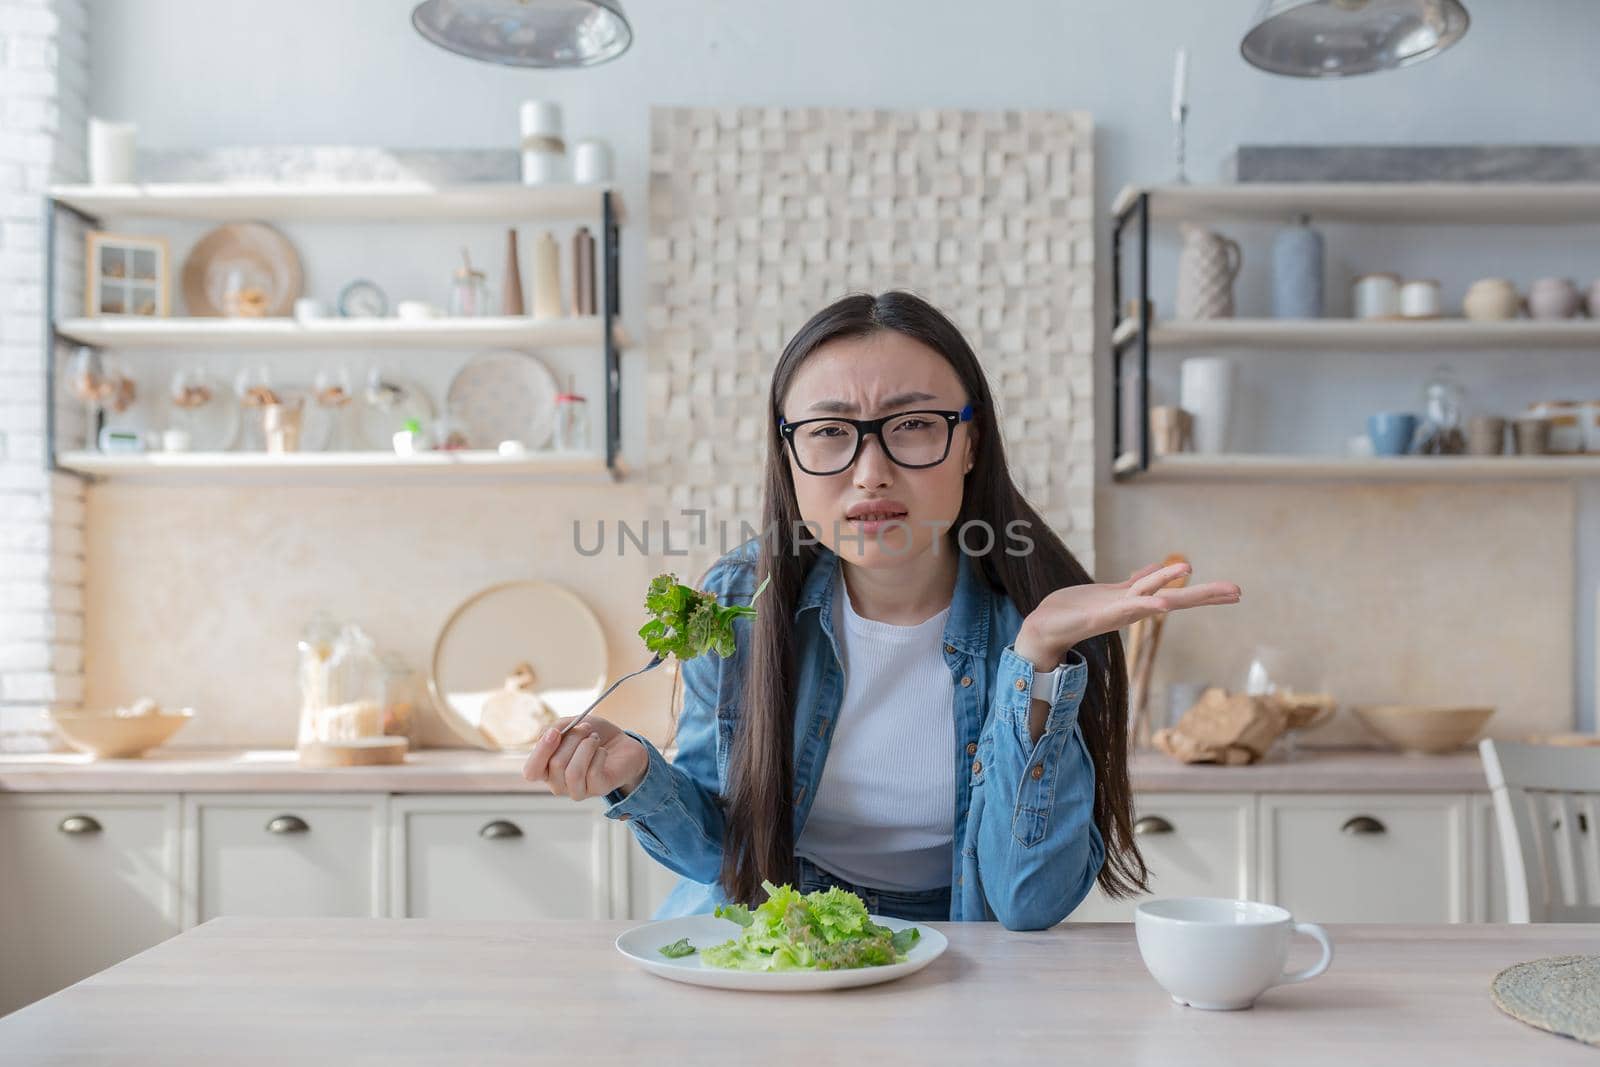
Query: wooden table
{"type": "Point", "coordinates": [386, 991]}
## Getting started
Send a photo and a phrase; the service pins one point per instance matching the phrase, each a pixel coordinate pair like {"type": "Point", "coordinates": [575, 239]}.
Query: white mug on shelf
{"type": "Point", "coordinates": [1205, 391]}
{"type": "Point", "coordinates": [111, 152]}
{"type": "Point", "coordinates": [1419, 299]}
{"type": "Point", "coordinates": [307, 308]}
{"type": "Point", "coordinates": [1376, 296]}
{"type": "Point", "coordinates": [591, 163]}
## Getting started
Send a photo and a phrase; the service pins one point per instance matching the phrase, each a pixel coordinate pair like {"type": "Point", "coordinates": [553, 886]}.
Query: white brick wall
{"type": "Point", "coordinates": [43, 86]}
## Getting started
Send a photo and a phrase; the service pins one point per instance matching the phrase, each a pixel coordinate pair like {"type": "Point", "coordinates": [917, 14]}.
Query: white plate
{"type": "Point", "coordinates": [503, 395]}
{"type": "Point", "coordinates": [643, 944]}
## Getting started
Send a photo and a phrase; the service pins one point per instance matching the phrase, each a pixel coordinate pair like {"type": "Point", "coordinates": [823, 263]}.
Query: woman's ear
{"type": "Point", "coordinates": [971, 448]}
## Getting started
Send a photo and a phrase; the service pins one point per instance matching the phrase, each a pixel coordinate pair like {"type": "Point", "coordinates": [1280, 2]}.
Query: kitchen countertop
{"type": "Point", "coordinates": [391, 991]}
{"type": "Point", "coordinates": [446, 770]}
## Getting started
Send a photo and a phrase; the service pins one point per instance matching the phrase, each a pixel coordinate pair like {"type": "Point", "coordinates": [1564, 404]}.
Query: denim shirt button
{"type": "Point", "coordinates": [977, 766]}
{"type": "Point", "coordinates": [1037, 772]}
{"type": "Point", "coordinates": [949, 648]}
{"type": "Point", "coordinates": [1021, 685]}
{"type": "Point", "coordinates": [972, 748]}
{"type": "Point", "coordinates": [966, 681]}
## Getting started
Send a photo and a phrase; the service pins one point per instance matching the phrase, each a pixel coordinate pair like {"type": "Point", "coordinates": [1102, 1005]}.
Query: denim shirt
{"type": "Point", "coordinates": [1026, 850]}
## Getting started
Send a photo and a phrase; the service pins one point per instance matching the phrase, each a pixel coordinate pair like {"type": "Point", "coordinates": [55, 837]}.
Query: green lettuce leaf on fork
{"type": "Point", "coordinates": [686, 622]}
{"type": "Point", "coordinates": [822, 931]}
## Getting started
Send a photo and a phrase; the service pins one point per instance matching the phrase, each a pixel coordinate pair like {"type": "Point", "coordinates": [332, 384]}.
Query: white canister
{"type": "Point", "coordinates": [1591, 426]}
{"type": "Point", "coordinates": [544, 153]}
{"type": "Point", "coordinates": [1419, 299]}
{"type": "Point", "coordinates": [1376, 296]}
{"type": "Point", "coordinates": [1205, 391]}
{"type": "Point", "coordinates": [591, 163]}
{"type": "Point", "coordinates": [1566, 424]}
{"type": "Point", "coordinates": [111, 152]}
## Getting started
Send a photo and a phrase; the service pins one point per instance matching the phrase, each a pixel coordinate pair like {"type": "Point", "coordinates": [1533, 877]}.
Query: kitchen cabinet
{"type": "Point", "coordinates": [284, 854]}
{"type": "Point", "coordinates": [85, 881]}
{"type": "Point", "coordinates": [500, 857]}
{"type": "Point", "coordinates": [1195, 845]}
{"type": "Point", "coordinates": [1488, 867]}
{"type": "Point", "coordinates": [1366, 858]}
{"type": "Point", "coordinates": [648, 882]}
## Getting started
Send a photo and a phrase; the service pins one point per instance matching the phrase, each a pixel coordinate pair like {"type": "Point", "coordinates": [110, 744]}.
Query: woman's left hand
{"type": "Point", "coordinates": [1079, 612]}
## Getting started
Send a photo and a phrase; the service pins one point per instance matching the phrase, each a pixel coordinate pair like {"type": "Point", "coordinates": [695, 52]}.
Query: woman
{"type": "Point", "coordinates": [929, 707]}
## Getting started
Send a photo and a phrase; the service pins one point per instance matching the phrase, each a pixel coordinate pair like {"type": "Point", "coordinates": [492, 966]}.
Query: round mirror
{"type": "Point", "coordinates": [514, 658]}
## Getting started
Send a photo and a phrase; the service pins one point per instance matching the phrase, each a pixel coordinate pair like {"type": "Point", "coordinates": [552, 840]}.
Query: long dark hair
{"type": "Point", "coordinates": [759, 837]}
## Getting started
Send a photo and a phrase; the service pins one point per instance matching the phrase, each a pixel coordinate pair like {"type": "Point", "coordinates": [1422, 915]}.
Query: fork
{"type": "Point", "coordinates": [655, 661]}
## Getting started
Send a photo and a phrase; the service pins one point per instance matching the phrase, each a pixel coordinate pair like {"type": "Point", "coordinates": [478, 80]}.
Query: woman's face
{"type": "Point", "coordinates": [875, 512]}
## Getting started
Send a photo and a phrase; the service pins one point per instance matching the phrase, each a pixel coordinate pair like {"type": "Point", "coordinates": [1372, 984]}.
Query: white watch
{"type": "Point", "coordinates": [1051, 682]}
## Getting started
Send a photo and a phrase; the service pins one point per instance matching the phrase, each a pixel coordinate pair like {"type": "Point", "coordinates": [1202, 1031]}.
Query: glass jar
{"type": "Point", "coordinates": [341, 684]}
{"type": "Point", "coordinates": [469, 291]}
{"type": "Point", "coordinates": [1443, 401]}
{"type": "Point", "coordinates": [402, 687]}
{"type": "Point", "coordinates": [572, 423]}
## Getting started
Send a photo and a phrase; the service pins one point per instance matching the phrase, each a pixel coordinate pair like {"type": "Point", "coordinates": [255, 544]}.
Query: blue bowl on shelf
{"type": "Point", "coordinates": [1391, 432]}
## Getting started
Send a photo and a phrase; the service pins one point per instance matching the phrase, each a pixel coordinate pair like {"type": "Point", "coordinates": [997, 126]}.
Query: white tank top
{"type": "Point", "coordinates": [884, 812]}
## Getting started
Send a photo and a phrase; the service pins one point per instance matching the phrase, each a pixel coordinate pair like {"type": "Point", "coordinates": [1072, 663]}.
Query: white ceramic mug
{"type": "Point", "coordinates": [414, 310]}
{"type": "Point", "coordinates": [307, 308]}
{"type": "Point", "coordinates": [591, 163]}
{"type": "Point", "coordinates": [1376, 296]}
{"type": "Point", "coordinates": [1420, 299]}
{"type": "Point", "coordinates": [1220, 954]}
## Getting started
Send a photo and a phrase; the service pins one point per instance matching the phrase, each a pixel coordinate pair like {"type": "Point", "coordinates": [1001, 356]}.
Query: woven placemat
{"type": "Point", "coordinates": [1560, 994]}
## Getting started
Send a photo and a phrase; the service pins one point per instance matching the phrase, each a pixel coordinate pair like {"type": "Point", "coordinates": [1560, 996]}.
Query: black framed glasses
{"type": "Point", "coordinates": [914, 439]}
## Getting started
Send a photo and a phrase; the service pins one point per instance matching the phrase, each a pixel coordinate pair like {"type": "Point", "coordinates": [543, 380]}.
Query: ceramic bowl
{"type": "Point", "coordinates": [1421, 728]}
{"type": "Point", "coordinates": [105, 735]}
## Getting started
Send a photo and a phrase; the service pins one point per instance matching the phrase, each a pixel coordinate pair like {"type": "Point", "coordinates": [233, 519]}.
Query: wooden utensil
{"type": "Point", "coordinates": [1144, 638]}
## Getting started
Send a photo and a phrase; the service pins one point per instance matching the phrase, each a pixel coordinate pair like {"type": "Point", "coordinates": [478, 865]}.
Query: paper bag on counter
{"type": "Point", "coordinates": [1224, 728]}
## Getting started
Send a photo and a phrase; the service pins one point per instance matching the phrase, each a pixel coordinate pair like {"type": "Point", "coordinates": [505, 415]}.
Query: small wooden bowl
{"type": "Point", "coordinates": [108, 736]}
{"type": "Point", "coordinates": [1422, 728]}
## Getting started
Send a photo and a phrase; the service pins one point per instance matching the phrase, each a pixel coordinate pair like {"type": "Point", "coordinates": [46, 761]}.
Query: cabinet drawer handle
{"type": "Point", "coordinates": [1583, 823]}
{"type": "Point", "coordinates": [79, 824]}
{"type": "Point", "coordinates": [500, 828]}
{"type": "Point", "coordinates": [288, 824]}
{"type": "Point", "coordinates": [1152, 824]}
{"type": "Point", "coordinates": [1363, 824]}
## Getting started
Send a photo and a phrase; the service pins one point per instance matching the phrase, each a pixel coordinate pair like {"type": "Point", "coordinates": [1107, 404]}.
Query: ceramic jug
{"type": "Point", "coordinates": [1553, 298]}
{"type": "Point", "coordinates": [1207, 267]}
{"type": "Point", "coordinates": [1491, 299]}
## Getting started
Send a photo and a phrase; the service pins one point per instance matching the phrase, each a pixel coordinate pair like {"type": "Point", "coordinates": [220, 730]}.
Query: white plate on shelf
{"type": "Point", "coordinates": [503, 395]}
{"type": "Point", "coordinates": [642, 945]}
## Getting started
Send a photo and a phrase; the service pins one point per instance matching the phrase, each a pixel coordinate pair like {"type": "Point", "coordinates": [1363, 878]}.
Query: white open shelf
{"type": "Point", "coordinates": [1364, 335]}
{"type": "Point", "coordinates": [1474, 204]}
{"type": "Point", "coordinates": [518, 331]}
{"type": "Point", "coordinates": [1247, 467]}
{"type": "Point", "coordinates": [354, 200]}
{"type": "Point", "coordinates": [303, 468]}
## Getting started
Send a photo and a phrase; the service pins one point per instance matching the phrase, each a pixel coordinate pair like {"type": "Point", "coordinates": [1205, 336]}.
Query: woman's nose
{"type": "Point", "coordinates": [873, 469]}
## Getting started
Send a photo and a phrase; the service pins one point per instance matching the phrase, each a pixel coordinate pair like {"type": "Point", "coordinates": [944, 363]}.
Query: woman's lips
{"type": "Point", "coordinates": [869, 518]}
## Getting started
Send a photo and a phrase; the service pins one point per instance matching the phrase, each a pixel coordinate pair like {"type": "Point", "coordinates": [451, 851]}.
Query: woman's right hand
{"type": "Point", "coordinates": [593, 759]}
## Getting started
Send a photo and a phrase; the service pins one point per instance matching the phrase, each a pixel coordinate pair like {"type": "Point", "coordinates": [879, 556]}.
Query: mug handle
{"type": "Point", "coordinates": [1235, 256]}
{"type": "Point", "coordinates": [1310, 930]}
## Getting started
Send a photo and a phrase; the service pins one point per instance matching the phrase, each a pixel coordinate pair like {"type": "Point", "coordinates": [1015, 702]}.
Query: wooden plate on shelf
{"type": "Point", "coordinates": [532, 624]}
{"type": "Point", "coordinates": [267, 265]}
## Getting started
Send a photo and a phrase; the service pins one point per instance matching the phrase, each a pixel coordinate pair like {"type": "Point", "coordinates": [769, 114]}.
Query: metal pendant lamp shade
{"type": "Point", "coordinates": [527, 33]}
{"type": "Point", "coordinates": [1338, 38]}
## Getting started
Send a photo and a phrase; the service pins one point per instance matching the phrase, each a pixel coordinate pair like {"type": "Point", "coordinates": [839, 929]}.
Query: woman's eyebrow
{"type": "Point", "coordinates": [845, 407]}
